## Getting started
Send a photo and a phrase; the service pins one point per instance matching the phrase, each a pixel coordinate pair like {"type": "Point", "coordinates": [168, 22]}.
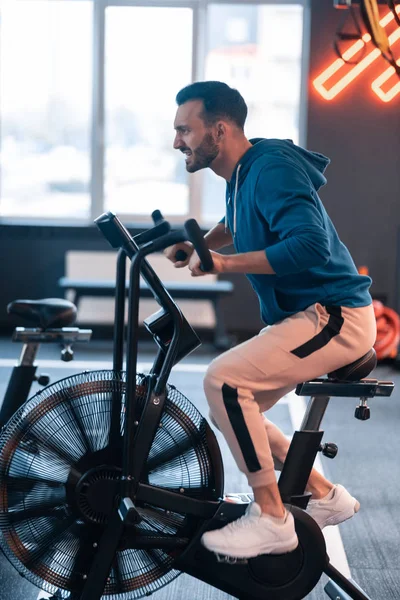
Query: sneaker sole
{"type": "Point", "coordinates": [342, 517]}
{"type": "Point", "coordinates": [253, 552]}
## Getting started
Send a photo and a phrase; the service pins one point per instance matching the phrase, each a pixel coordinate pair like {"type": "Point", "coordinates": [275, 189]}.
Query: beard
{"type": "Point", "coordinates": [203, 155]}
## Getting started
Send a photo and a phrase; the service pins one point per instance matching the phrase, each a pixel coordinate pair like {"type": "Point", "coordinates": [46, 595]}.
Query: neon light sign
{"type": "Point", "coordinates": [340, 84]}
{"type": "Point", "coordinates": [390, 93]}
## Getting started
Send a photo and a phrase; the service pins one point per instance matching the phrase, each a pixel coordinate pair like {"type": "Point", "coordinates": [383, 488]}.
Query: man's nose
{"type": "Point", "coordinates": [177, 143]}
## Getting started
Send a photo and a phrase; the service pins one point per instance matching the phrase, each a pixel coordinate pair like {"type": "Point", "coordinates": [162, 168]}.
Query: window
{"type": "Point", "coordinates": [53, 95]}
{"type": "Point", "coordinates": [46, 85]}
{"type": "Point", "coordinates": [259, 54]}
{"type": "Point", "coordinates": [146, 65]}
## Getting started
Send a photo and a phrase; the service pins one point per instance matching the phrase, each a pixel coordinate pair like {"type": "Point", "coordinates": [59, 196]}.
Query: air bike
{"type": "Point", "coordinates": [108, 479]}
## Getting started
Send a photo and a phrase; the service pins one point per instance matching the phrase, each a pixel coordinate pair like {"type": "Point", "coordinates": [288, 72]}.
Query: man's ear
{"type": "Point", "coordinates": [221, 130]}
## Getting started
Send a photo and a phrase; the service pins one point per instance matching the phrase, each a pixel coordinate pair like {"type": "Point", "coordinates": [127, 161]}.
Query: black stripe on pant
{"type": "Point", "coordinates": [320, 340]}
{"type": "Point", "coordinates": [236, 418]}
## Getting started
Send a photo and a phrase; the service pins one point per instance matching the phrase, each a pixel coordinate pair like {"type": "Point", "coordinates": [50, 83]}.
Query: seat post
{"type": "Point", "coordinates": [301, 455]}
{"type": "Point", "coordinates": [314, 414]}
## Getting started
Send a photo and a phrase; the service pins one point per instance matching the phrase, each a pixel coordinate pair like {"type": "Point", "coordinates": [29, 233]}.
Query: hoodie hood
{"type": "Point", "coordinates": [312, 162]}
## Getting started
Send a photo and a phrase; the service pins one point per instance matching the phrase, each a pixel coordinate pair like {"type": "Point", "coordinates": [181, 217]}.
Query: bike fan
{"type": "Point", "coordinates": [60, 472]}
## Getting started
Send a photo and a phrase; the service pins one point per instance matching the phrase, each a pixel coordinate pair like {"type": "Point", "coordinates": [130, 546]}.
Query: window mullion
{"type": "Point", "coordinates": [198, 70]}
{"type": "Point", "coordinates": [98, 116]}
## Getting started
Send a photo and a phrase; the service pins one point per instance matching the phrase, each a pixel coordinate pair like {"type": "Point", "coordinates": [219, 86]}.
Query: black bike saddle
{"type": "Point", "coordinates": [356, 370]}
{"type": "Point", "coordinates": [46, 313]}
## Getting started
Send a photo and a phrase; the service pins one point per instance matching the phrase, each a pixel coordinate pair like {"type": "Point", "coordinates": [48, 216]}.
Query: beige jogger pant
{"type": "Point", "coordinates": [249, 379]}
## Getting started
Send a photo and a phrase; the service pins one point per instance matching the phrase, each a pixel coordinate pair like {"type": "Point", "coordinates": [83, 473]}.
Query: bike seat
{"type": "Point", "coordinates": [356, 370]}
{"type": "Point", "coordinates": [46, 313]}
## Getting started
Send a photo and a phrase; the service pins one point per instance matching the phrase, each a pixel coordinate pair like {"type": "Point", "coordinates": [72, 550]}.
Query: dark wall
{"type": "Point", "coordinates": [357, 131]}
{"type": "Point", "coordinates": [361, 135]}
{"type": "Point", "coordinates": [32, 261]}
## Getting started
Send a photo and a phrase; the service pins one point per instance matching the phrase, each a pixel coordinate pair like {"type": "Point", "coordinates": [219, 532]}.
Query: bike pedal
{"type": "Point", "coordinates": [230, 560]}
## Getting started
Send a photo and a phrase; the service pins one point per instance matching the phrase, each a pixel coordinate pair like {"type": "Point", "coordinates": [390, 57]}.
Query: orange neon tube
{"type": "Point", "coordinates": [319, 82]}
{"type": "Point", "coordinates": [392, 92]}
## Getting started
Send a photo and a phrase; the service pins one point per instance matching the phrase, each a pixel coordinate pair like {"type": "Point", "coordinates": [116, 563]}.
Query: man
{"type": "Point", "coordinates": [317, 307]}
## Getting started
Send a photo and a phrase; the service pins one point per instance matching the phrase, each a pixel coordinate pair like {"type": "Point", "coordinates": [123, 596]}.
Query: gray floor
{"type": "Point", "coordinates": [367, 463]}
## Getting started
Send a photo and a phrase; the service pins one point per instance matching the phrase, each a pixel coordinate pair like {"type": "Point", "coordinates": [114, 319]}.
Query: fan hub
{"type": "Point", "coordinates": [97, 493]}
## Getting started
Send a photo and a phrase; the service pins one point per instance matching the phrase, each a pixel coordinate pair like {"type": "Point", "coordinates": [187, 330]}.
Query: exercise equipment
{"type": "Point", "coordinates": [53, 320]}
{"type": "Point", "coordinates": [109, 478]}
{"type": "Point", "coordinates": [388, 331]}
{"type": "Point", "coordinates": [387, 328]}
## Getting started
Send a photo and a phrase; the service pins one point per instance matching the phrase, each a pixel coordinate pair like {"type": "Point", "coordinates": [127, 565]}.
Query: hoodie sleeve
{"type": "Point", "coordinates": [287, 200]}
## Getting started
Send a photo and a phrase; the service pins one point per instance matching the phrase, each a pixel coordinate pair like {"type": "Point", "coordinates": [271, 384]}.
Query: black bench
{"type": "Point", "coordinates": [212, 292]}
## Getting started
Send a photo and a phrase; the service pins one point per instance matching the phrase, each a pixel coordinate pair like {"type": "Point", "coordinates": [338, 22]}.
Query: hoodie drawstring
{"type": "Point", "coordinates": [234, 200]}
{"type": "Point", "coordinates": [234, 204]}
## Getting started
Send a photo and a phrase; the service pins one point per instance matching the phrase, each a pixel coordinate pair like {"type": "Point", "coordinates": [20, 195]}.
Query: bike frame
{"type": "Point", "coordinates": [138, 437]}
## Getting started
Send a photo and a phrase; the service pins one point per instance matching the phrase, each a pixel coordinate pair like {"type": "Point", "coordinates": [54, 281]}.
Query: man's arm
{"type": "Point", "coordinates": [285, 198]}
{"type": "Point", "coordinates": [218, 237]}
{"type": "Point", "coordinates": [248, 262]}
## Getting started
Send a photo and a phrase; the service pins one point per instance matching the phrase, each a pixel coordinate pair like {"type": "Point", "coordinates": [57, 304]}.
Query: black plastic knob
{"type": "Point", "coordinates": [67, 354]}
{"type": "Point", "coordinates": [362, 413]}
{"type": "Point", "coordinates": [43, 379]}
{"type": "Point", "coordinates": [329, 449]}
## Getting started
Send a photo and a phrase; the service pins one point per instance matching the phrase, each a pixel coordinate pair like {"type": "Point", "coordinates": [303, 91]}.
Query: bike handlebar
{"type": "Point", "coordinates": [119, 237]}
{"type": "Point", "coordinates": [194, 234]}
{"type": "Point", "coordinates": [157, 217]}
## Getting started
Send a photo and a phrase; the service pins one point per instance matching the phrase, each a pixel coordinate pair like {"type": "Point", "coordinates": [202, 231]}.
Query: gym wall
{"type": "Point", "coordinates": [359, 132]}
{"type": "Point", "coordinates": [361, 135]}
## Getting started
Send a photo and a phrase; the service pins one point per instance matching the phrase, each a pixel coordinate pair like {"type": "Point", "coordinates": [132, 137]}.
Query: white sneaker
{"type": "Point", "coordinates": [336, 507]}
{"type": "Point", "coordinates": [253, 534]}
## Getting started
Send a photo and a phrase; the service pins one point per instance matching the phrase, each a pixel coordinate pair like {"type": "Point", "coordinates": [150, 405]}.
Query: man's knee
{"type": "Point", "coordinates": [220, 371]}
{"type": "Point", "coordinates": [217, 375]}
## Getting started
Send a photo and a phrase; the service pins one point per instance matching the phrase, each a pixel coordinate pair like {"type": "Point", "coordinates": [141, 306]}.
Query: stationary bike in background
{"type": "Point", "coordinates": [127, 475]}
{"type": "Point", "coordinates": [52, 320]}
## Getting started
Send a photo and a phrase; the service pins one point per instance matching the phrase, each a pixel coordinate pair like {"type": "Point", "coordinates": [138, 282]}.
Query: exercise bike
{"type": "Point", "coordinates": [53, 320]}
{"type": "Point", "coordinates": [125, 474]}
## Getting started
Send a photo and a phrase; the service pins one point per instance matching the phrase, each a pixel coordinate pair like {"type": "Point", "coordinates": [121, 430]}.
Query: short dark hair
{"type": "Point", "coordinates": [219, 101]}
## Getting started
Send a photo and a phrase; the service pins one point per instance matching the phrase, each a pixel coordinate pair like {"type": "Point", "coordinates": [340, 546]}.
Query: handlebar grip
{"type": "Point", "coordinates": [194, 234]}
{"type": "Point", "coordinates": [181, 255]}
{"type": "Point", "coordinates": [157, 217]}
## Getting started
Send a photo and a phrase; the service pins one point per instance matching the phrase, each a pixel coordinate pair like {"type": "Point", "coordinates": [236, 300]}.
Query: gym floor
{"type": "Point", "coordinates": [367, 464]}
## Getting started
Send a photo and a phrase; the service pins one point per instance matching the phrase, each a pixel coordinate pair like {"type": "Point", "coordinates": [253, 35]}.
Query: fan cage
{"type": "Point", "coordinates": [43, 534]}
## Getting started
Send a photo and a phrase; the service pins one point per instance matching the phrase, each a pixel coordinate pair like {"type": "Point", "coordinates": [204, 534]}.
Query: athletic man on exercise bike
{"type": "Point", "coordinates": [317, 308]}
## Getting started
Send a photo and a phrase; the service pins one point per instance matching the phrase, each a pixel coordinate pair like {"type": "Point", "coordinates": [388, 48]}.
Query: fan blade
{"type": "Point", "coordinates": [94, 420]}
{"type": "Point", "coordinates": [137, 571]}
{"type": "Point", "coordinates": [66, 454]}
{"type": "Point", "coordinates": [46, 543]}
{"type": "Point", "coordinates": [78, 424]}
{"type": "Point", "coordinates": [18, 516]}
{"type": "Point", "coordinates": [169, 522]}
{"type": "Point", "coordinates": [167, 455]}
{"type": "Point", "coordinates": [161, 560]}
{"type": "Point", "coordinates": [39, 495]}
{"type": "Point", "coordinates": [19, 484]}
{"type": "Point", "coordinates": [44, 465]}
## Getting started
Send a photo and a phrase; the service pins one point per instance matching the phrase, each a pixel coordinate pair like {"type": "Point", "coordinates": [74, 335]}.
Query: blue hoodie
{"type": "Point", "coordinates": [272, 204]}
